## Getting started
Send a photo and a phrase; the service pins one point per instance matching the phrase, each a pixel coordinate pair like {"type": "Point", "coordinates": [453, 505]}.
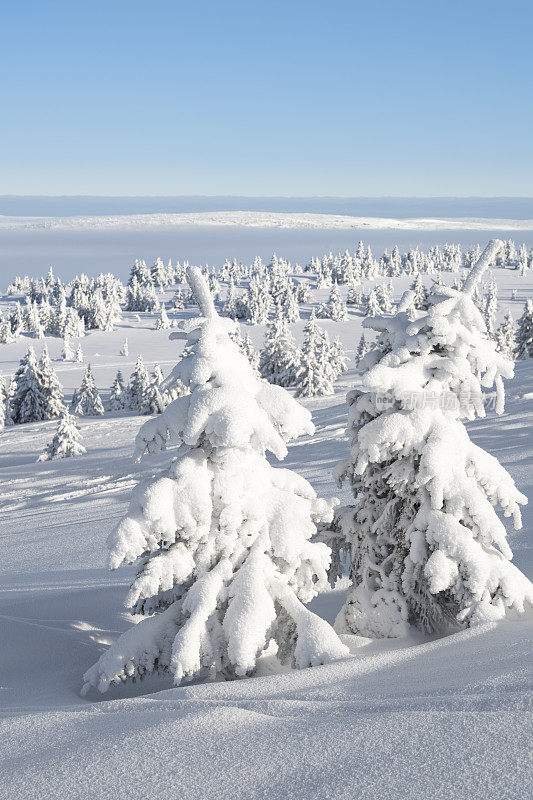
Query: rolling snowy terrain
{"type": "Point", "coordinates": [408, 718]}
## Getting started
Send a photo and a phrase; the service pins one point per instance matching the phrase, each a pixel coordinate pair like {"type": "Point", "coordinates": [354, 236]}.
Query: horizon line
{"type": "Point", "coordinates": [278, 196]}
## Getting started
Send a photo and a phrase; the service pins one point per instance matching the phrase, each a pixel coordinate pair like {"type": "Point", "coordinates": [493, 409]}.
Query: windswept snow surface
{"type": "Point", "coordinates": [398, 720]}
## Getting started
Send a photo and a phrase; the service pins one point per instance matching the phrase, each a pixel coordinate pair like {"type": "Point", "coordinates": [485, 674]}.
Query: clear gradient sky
{"type": "Point", "coordinates": [336, 97]}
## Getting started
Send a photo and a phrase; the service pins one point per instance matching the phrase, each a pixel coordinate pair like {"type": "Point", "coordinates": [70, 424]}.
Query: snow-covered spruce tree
{"type": "Point", "coordinates": [67, 353]}
{"type": "Point", "coordinates": [286, 304]}
{"type": "Point", "coordinates": [158, 273]}
{"type": "Point", "coordinates": [303, 292]}
{"type": "Point", "coordinates": [257, 301]}
{"type": "Point", "coordinates": [5, 406]}
{"type": "Point", "coordinates": [384, 294]}
{"type": "Point", "coordinates": [362, 350]}
{"type": "Point", "coordinates": [420, 293]}
{"type": "Point", "coordinates": [524, 336]}
{"type": "Point", "coordinates": [157, 375]}
{"type": "Point", "coordinates": [74, 325]}
{"type": "Point", "coordinates": [178, 301]}
{"type": "Point", "coordinates": [124, 350]}
{"type": "Point", "coordinates": [335, 308]}
{"type": "Point", "coordinates": [16, 320]}
{"type": "Point", "coordinates": [50, 387]}
{"type": "Point", "coordinates": [214, 286]}
{"type": "Point", "coordinates": [79, 354]}
{"type": "Point", "coordinates": [280, 358]}
{"type": "Point", "coordinates": [506, 338]}
{"type": "Point", "coordinates": [355, 295]}
{"type": "Point", "coordinates": [426, 546]}
{"type": "Point", "coordinates": [117, 395]}
{"type": "Point", "coordinates": [338, 359]}
{"type": "Point", "coordinates": [86, 401]}
{"type": "Point", "coordinates": [162, 322]}
{"type": "Point", "coordinates": [28, 402]}
{"type": "Point", "coordinates": [155, 400]}
{"type": "Point", "coordinates": [371, 304]}
{"type": "Point", "coordinates": [66, 441]}
{"type": "Point", "coordinates": [314, 376]}
{"type": "Point", "coordinates": [138, 389]}
{"type": "Point", "coordinates": [234, 308]}
{"type": "Point", "coordinates": [6, 334]}
{"type": "Point", "coordinates": [222, 538]}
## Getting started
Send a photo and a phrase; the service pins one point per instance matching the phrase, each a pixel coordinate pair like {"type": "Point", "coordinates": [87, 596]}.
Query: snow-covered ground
{"type": "Point", "coordinates": [417, 718]}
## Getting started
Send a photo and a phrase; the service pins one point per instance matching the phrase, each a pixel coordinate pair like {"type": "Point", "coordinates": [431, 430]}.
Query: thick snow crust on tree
{"type": "Point", "coordinates": [427, 547]}
{"type": "Point", "coordinates": [222, 538]}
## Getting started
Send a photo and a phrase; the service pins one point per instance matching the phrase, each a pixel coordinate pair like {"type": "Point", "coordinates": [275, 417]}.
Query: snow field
{"type": "Point", "coordinates": [408, 718]}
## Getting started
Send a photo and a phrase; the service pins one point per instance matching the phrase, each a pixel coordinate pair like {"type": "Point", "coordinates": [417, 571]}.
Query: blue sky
{"type": "Point", "coordinates": [267, 98]}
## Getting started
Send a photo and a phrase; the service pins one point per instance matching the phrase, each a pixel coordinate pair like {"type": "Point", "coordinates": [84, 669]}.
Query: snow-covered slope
{"type": "Point", "coordinates": [417, 718]}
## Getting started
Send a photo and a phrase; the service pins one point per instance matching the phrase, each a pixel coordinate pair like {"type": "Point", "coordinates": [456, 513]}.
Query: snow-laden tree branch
{"type": "Point", "coordinates": [484, 261]}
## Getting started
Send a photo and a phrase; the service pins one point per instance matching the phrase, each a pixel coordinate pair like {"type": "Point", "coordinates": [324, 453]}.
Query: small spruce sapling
{"type": "Point", "coordinates": [66, 441]}
{"type": "Point", "coordinates": [117, 395]}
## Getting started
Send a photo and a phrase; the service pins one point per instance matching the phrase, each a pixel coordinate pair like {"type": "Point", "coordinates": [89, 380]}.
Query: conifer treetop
{"type": "Point", "coordinates": [249, 412]}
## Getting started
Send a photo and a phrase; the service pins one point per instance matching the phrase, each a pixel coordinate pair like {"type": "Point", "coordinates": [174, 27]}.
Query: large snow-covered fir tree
{"type": "Point", "coordinates": [221, 538]}
{"type": "Point", "coordinates": [66, 441]}
{"type": "Point", "coordinates": [426, 546]}
{"type": "Point", "coordinates": [86, 400]}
